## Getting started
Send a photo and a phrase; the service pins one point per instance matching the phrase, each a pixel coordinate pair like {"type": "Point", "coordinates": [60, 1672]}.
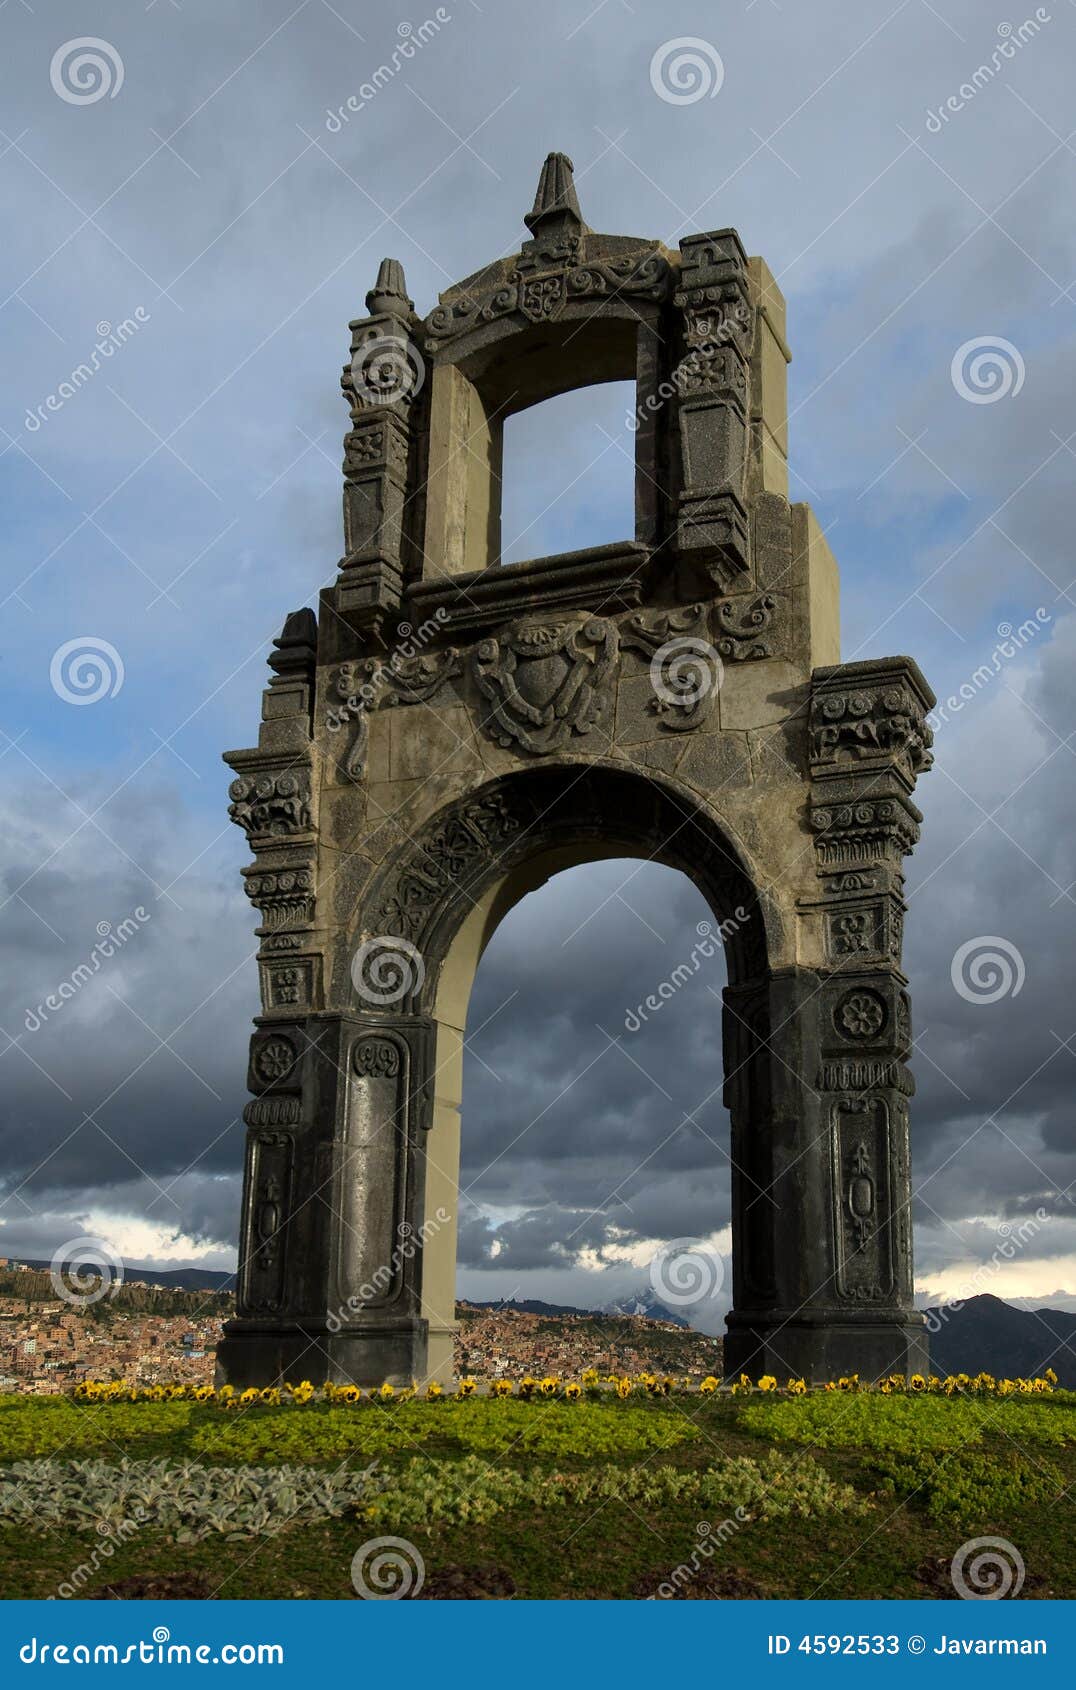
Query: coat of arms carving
{"type": "Point", "coordinates": [546, 680]}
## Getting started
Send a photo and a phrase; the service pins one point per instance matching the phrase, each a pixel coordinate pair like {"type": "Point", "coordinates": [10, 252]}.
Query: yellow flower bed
{"type": "Point", "coordinates": [553, 1387]}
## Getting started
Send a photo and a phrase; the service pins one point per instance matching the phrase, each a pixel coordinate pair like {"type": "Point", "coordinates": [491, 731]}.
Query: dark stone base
{"type": "Point", "coordinates": [818, 1349]}
{"type": "Point", "coordinates": [258, 1353]}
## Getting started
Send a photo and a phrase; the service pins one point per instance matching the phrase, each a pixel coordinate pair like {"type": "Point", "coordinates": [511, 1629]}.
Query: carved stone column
{"type": "Point", "coordinates": [330, 1282]}
{"type": "Point", "coordinates": [712, 382]}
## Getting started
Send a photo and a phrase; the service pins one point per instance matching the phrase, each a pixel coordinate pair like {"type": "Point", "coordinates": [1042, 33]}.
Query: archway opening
{"type": "Point", "coordinates": [593, 1130]}
{"type": "Point", "coordinates": [568, 473]}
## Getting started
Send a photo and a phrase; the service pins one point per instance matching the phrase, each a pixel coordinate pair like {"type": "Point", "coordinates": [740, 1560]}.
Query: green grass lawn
{"type": "Point", "coordinates": [829, 1496]}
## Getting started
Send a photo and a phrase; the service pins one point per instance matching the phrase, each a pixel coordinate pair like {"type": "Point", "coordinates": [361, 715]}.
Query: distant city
{"type": "Point", "coordinates": [164, 1329]}
{"type": "Point", "coordinates": [157, 1332]}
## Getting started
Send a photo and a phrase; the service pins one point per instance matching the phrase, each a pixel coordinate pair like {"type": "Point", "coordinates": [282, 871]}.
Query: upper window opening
{"type": "Point", "coordinates": [568, 474]}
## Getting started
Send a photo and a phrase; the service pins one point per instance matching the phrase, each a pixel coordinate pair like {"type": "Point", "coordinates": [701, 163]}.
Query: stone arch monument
{"type": "Point", "coordinates": [450, 731]}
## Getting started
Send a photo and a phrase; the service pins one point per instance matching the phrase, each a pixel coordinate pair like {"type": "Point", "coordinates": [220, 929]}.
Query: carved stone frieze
{"type": "Point", "coordinates": [455, 850]}
{"type": "Point", "coordinates": [272, 804]}
{"type": "Point", "coordinates": [851, 726]}
{"type": "Point", "coordinates": [541, 296]}
{"type": "Point", "coordinates": [285, 896]}
{"type": "Point", "coordinates": [272, 1112]}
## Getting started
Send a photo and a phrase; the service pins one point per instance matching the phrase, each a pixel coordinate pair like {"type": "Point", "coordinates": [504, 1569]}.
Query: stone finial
{"type": "Point", "coordinates": [556, 196]}
{"type": "Point", "coordinates": [389, 292]}
{"type": "Point", "coordinates": [297, 643]}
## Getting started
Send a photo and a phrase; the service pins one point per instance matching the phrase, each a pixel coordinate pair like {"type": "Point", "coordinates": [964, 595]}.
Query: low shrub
{"type": "Point", "coordinates": [907, 1424]}
{"type": "Point", "coordinates": [470, 1490]}
{"type": "Point", "coordinates": [32, 1426]}
{"type": "Point", "coordinates": [181, 1499]}
{"type": "Point", "coordinates": [485, 1424]}
{"type": "Point", "coordinates": [971, 1489]}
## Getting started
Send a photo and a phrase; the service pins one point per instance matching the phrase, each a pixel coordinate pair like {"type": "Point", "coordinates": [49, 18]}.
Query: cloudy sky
{"type": "Point", "coordinates": [181, 502]}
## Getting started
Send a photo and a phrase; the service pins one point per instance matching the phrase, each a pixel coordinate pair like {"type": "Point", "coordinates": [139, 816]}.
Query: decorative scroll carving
{"type": "Point", "coordinates": [741, 628]}
{"type": "Point", "coordinates": [273, 804]}
{"type": "Point", "coordinates": [378, 1058]}
{"type": "Point", "coordinates": [850, 833]}
{"type": "Point", "coordinates": [683, 663]}
{"type": "Point", "coordinates": [542, 296]}
{"type": "Point", "coordinates": [371, 685]}
{"type": "Point", "coordinates": [545, 680]}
